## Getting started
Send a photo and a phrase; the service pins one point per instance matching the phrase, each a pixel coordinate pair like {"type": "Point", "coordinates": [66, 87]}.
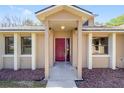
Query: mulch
{"type": "Point", "coordinates": [21, 75]}
{"type": "Point", "coordinates": [101, 78]}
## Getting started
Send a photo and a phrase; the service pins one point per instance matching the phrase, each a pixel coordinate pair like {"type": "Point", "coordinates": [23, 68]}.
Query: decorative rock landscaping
{"type": "Point", "coordinates": [102, 78]}
{"type": "Point", "coordinates": [25, 78]}
{"type": "Point", "coordinates": [23, 74]}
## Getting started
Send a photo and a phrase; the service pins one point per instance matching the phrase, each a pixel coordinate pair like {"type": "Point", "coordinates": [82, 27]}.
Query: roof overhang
{"type": "Point", "coordinates": [23, 29]}
{"type": "Point", "coordinates": [42, 14]}
{"type": "Point", "coordinates": [102, 29]}
{"type": "Point", "coordinates": [41, 29]}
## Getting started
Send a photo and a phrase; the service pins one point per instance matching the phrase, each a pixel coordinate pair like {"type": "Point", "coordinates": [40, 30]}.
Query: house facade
{"type": "Point", "coordinates": [68, 35]}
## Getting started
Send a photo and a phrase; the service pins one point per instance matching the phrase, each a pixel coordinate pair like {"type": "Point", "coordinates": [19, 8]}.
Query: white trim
{"type": "Point", "coordinates": [19, 56]}
{"type": "Point", "coordinates": [47, 10]}
{"type": "Point", "coordinates": [54, 49]}
{"type": "Point", "coordinates": [71, 49]}
{"type": "Point", "coordinates": [79, 50]}
{"type": "Point", "coordinates": [44, 31]}
{"type": "Point", "coordinates": [33, 37]}
{"type": "Point", "coordinates": [81, 10]}
{"type": "Point", "coordinates": [65, 50]}
{"type": "Point", "coordinates": [100, 55]}
{"type": "Point", "coordinates": [8, 55]}
{"type": "Point", "coordinates": [51, 8]}
{"type": "Point", "coordinates": [89, 51]}
{"type": "Point", "coordinates": [22, 31]}
{"type": "Point", "coordinates": [112, 50]}
{"type": "Point", "coordinates": [103, 31]}
{"type": "Point", "coordinates": [2, 41]}
{"type": "Point", "coordinates": [74, 48]}
{"type": "Point", "coordinates": [113, 55]}
{"type": "Point", "coordinates": [16, 51]}
{"type": "Point", "coordinates": [46, 48]}
{"type": "Point", "coordinates": [25, 55]}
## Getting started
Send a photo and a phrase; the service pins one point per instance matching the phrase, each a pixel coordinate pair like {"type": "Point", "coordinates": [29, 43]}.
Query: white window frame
{"type": "Point", "coordinates": [8, 54]}
{"type": "Point", "coordinates": [100, 54]}
{"type": "Point", "coordinates": [24, 54]}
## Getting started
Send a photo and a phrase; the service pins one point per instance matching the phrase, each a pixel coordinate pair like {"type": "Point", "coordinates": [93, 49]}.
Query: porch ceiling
{"type": "Point", "coordinates": [68, 25]}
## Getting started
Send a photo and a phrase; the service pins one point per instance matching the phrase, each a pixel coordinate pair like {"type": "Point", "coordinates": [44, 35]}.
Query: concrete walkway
{"type": "Point", "coordinates": [62, 75]}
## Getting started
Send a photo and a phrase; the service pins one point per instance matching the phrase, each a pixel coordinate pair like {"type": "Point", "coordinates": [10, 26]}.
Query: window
{"type": "Point", "coordinates": [9, 45]}
{"type": "Point", "coordinates": [86, 23]}
{"type": "Point", "coordinates": [25, 45]}
{"type": "Point", "coordinates": [100, 45]}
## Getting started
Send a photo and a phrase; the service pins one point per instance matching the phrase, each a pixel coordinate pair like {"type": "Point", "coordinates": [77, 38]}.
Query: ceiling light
{"type": "Point", "coordinates": [62, 27]}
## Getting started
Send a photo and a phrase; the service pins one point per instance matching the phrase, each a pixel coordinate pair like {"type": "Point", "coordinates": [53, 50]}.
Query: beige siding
{"type": "Point", "coordinates": [62, 34]}
{"type": "Point", "coordinates": [40, 51]}
{"type": "Point", "coordinates": [120, 50]}
{"type": "Point", "coordinates": [62, 15]}
{"type": "Point", "coordinates": [25, 62]}
{"type": "Point", "coordinates": [100, 62]}
{"type": "Point", "coordinates": [8, 62]}
{"type": "Point", "coordinates": [84, 54]}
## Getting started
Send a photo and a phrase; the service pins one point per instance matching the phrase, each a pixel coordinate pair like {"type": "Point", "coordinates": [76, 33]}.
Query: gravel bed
{"type": "Point", "coordinates": [101, 78]}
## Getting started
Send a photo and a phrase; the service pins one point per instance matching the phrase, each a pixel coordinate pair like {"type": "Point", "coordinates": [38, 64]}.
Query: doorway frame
{"type": "Point", "coordinates": [54, 48]}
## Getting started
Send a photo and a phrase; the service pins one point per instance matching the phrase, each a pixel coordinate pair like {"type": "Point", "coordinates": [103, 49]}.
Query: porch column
{"type": "Point", "coordinates": [51, 42]}
{"type": "Point", "coordinates": [46, 50]}
{"type": "Point", "coordinates": [1, 50]}
{"type": "Point", "coordinates": [79, 66]}
{"type": "Point", "coordinates": [113, 51]}
{"type": "Point", "coordinates": [17, 50]}
{"type": "Point", "coordinates": [74, 48]}
{"type": "Point", "coordinates": [33, 35]}
{"type": "Point", "coordinates": [89, 51]}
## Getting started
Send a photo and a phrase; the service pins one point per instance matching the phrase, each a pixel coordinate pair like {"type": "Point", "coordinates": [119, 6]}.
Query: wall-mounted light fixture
{"type": "Point", "coordinates": [62, 27]}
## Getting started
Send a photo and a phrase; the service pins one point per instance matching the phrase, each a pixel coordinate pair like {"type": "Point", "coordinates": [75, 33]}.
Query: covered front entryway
{"type": "Point", "coordinates": [63, 36]}
{"type": "Point", "coordinates": [62, 49]}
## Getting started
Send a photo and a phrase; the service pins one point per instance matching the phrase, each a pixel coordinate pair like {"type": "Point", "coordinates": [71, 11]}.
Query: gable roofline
{"type": "Point", "coordinates": [74, 6]}
{"type": "Point", "coordinates": [82, 9]}
{"type": "Point", "coordinates": [44, 9]}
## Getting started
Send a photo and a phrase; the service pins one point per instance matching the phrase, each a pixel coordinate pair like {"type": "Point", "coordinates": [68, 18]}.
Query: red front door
{"type": "Point", "coordinates": [60, 49]}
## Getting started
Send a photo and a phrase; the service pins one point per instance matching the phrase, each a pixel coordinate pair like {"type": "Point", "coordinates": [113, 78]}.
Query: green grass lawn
{"type": "Point", "coordinates": [23, 84]}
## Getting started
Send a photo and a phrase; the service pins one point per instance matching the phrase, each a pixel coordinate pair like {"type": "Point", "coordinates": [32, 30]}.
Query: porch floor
{"type": "Point", "coordinates": [62, 75]}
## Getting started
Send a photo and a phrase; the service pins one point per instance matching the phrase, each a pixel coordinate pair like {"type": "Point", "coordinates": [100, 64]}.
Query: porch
{"type": "Point", "coordinates": [62, 71]}
{"type": "Point", "coordinates": [62, 75]}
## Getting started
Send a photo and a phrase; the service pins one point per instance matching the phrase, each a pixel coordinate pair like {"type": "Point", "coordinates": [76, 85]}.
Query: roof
{"type": "Point", "coordinates": [23, 28]}
{"type": "Point", "coordinates": [71, 5]}
{"type": "Point", "coordinates": [101, 28]}
{"type": "Point", "coordinates": [44, 9]}
{"type": "Point", "coordinates": [42, 29]}
{"type": "Point", "coordinates": [82, 9]}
